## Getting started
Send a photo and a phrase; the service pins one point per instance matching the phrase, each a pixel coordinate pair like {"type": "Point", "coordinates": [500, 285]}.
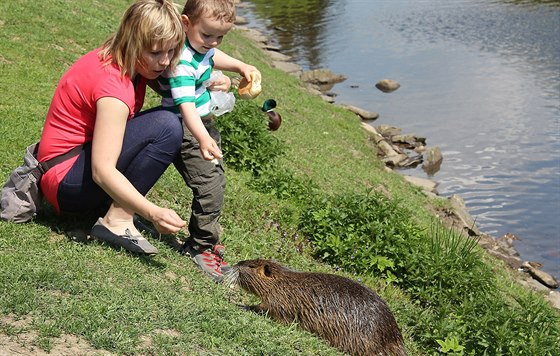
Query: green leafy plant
{"type": "Point", "coordinates": [246, 141]}
{"type": "Point", "coordinates": [451, 346]}
{"type": "Point", "coordinates": [366, 233]}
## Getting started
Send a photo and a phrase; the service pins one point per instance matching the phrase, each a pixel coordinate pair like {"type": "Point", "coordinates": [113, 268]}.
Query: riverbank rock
{"type": "Point", "coordinates": [426, 184]}
{"type": "Point", "coordinates": [396, 150]}
{"type": "Point", "coordinates": [254, 35]}
{"type": "Point", "coordinates": [363, 114]}
{"type": "Point", "coordinates": [432, 161]}
{"type": "Point", "coordinates": [546, 279]}
{"type": "Point", "coordinates": [388, 131]}
{"type": "Point", "coordinates": [391, 155]}
{"type": "Point", "coordinates": [409, 141]}
{"type": "Point", "coordinates": [288, 67]}
{"type": "Point", "coordinates": [323, 78]}
{"type": "Point", "coordinates": [277, 56]}
{"type": "Point", "coordinates": [387, 85]}
{"type": "Point", "coordinates": [240, 21]}
{"type": "Point", "coordinates": [461, 212]}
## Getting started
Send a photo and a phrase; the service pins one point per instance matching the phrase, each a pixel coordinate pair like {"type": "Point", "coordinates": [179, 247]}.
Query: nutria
{"type": "Point", "coordinates": [349, 315]}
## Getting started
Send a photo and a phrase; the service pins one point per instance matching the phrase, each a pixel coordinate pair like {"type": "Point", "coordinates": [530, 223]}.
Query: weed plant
{"type": "Point", "coordinates": [362, 233]}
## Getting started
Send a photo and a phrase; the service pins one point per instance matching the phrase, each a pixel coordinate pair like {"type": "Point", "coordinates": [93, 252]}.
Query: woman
{"type": "Point", "coordinates": [96, 104]}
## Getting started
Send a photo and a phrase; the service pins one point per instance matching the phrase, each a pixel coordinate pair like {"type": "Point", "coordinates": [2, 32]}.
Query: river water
{"type": "Point", "coordinates": [480, 79]}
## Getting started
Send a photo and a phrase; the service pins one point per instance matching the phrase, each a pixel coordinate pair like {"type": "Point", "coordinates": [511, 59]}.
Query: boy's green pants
{"type": "Point", "coordinates": [207, 182]}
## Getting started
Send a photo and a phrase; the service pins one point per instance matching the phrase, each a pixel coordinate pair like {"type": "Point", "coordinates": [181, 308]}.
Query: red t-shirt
{"type": "Point", "coordinates": [71, 116]}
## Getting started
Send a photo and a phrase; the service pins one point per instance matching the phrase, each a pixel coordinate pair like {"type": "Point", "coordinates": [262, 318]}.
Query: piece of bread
{"type": "Point", "coordinates": [250, 90]}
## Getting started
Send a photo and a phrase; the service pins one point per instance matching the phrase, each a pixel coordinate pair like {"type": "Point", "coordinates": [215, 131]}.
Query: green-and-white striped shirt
{"type": "Point", "coordinates": [184, 85]}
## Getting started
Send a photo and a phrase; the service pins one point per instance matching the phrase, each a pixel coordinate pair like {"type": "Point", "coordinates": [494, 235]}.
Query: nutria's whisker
{"type": "Point", "coordinates": [231, 278]}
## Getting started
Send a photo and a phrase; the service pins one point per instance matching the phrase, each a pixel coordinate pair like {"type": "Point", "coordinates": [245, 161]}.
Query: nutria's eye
{"type": "Point", "coordinates": [267, 271]}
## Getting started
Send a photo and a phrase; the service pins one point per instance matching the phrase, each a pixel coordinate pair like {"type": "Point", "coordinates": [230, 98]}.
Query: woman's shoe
{"type": "Point", "coordinates": [137, 244]}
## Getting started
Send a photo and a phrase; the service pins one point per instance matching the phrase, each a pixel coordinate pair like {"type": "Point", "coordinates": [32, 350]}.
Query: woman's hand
{"type": "Point", "coordinates": [167, 221]}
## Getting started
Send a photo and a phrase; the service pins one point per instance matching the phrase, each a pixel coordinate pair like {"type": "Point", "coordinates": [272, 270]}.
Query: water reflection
{"type": "Point", "coordinates": [299, 25]}
{"type": "Point", "coordinates": [480, 79]}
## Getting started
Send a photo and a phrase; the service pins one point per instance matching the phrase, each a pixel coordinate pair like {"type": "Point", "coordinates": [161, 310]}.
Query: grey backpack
{"type": "Point", "coordinates": [21, 196]}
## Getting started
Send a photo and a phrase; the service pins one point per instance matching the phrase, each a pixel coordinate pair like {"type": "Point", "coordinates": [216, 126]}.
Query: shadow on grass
{"type": "Point", "coordinates": [77, 226]}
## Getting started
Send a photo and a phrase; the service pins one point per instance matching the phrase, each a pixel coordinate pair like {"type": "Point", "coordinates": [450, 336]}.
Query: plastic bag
{"type": "Point", "coordinates": [220, 102]}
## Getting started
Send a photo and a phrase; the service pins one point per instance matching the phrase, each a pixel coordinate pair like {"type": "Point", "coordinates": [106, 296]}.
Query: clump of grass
{"type": "Point", "coordinates": [448, 267]}
{"type": "Point", "coordinates": [285, 184]}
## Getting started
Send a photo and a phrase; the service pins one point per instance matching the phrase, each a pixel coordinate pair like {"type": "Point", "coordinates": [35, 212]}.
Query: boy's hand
{"type": "Point", "coordinates": [246, 70]}
{"type": "Point", "coordinates": [250, 86]}
{"type": "Point", "coordinates": [223, 83]}
{"type": "Point", "coordinates": [209, 149]}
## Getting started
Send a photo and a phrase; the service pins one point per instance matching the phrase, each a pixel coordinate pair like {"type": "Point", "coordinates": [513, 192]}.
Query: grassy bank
{"type": "Point", "coordinates": [312, 195]}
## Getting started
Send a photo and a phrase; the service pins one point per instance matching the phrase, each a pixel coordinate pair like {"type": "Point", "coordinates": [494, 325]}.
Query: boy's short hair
{"type": "Point", "coordinates": [144, 24]}
{"type": "Point", "coordinates": [223, 10]}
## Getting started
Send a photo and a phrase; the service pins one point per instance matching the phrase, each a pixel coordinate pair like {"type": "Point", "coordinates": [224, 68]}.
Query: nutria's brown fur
{"type": "Point", "coordinates": [350, 316]}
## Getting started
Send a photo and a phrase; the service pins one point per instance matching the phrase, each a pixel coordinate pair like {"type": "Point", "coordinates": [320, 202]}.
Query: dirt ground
{"type": "Point", "coordinates": [68, 345]}
{"type": "Point", "coordinates": [25, 343]}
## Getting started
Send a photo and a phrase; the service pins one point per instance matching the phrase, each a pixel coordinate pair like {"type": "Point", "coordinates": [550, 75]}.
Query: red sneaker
{"type": "Point", "coordinates": [206, 261]}
{"type": "Point", "coordinates": [218, 251]}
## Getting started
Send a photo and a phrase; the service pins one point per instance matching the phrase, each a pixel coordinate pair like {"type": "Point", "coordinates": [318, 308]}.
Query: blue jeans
{"type": "Point", "coordinates": [151, 140]}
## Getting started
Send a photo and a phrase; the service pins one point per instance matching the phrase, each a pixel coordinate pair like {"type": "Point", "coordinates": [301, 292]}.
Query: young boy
{"type": "Point", "coordinates": [200, 163]}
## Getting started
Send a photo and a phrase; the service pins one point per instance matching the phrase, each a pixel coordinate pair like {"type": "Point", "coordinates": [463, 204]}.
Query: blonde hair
{"type": "Point", "coordinates": [145, 23]}
{"type": "Point", "coordinates": [223, 10]}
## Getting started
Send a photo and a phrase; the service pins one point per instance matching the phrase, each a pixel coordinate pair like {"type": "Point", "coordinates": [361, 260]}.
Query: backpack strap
{"type": "Point", "coordinates": [46, 165]}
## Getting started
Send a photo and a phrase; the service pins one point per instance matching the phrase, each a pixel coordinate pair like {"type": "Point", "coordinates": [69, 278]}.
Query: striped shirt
{"type": "Point", "coordinates": [184, 84]}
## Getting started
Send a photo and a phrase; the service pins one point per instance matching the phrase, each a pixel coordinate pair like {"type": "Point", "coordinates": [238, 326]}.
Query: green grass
{"type": "Point", "coordinates": [312, 195]}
